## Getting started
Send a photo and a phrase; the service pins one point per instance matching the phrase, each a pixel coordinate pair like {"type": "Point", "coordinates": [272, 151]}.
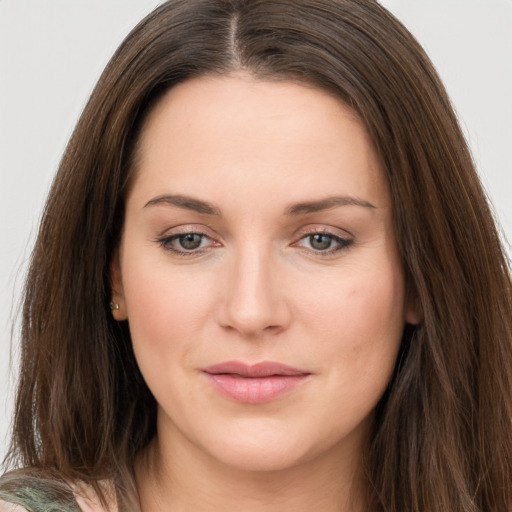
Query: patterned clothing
{"type": "Point", "coordinates": [22, 492]}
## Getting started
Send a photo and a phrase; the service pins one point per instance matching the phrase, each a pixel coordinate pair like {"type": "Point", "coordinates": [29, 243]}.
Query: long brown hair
{"type": "Point", "coordinates": [442, 438]}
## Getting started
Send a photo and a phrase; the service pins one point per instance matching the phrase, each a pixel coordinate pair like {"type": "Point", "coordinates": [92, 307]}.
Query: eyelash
{"type": "Point", "coordinates": [342, 243]}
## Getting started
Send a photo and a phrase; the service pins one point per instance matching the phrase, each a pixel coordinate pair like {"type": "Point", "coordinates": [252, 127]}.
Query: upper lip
{"type": "Point", "coordinates": [262, 369]}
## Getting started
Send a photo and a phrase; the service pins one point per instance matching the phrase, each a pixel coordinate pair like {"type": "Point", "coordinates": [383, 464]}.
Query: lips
{"type": "Point", "coordinates": [254, 384]}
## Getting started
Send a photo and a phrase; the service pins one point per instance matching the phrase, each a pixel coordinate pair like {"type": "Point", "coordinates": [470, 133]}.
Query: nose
{"type": "Point", "coordinates": [254, 298]}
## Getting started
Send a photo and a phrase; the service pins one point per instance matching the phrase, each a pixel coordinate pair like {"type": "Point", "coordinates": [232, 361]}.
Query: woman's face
{"type": "Point", "coordinates": [259, 232]}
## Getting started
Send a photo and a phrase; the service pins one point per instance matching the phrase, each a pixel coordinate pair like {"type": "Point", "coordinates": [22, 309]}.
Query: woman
{"type": "Point", "coordinates": [267, 278]}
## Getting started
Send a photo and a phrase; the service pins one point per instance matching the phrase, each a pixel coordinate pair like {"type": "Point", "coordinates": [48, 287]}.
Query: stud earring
{"type": "Point", "coordinates": [114, 306]}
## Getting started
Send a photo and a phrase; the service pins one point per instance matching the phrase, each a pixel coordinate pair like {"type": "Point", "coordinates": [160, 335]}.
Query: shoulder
{"type": "Point", "coordinates": [35, 491]}
{"type": "Point", "coordinates": [11, 507]}
{"type": "Point", "coordinates": [26, 491]}
{"type": "Point", "coordinates": [88, 501]}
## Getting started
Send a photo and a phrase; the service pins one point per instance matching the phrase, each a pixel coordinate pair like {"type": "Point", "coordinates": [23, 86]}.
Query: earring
{"type": "Point", "coordinates": [114, 306]}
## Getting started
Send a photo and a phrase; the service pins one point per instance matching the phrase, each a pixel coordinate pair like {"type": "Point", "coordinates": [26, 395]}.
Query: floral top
{"type": "Point", "coordinates": [30, 494]}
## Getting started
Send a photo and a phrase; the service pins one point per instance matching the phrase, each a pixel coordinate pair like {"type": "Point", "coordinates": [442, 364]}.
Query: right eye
{"type": "Point", "coordinates": [186, 243]}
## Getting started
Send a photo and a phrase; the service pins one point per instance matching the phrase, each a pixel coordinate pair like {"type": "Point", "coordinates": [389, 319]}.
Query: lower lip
{"type": "Point", "coordinates": [254, 390]}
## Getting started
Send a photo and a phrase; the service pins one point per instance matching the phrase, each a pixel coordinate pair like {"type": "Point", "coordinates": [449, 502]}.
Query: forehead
{"type": "Point", "coordinates": [239, 133]}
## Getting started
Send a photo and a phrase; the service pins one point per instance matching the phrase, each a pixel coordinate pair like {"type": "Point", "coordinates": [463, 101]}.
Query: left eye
{"type": "Point", "coordinates": [323, 242]}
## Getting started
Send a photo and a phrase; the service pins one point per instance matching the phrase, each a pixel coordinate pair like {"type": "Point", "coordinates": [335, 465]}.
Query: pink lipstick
{"type": "Point", "coordinates": [254, 384]}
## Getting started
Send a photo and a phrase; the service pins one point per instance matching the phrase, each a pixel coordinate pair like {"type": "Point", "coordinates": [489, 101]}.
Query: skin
{"type": "Point", "coordinates": [259, 288]}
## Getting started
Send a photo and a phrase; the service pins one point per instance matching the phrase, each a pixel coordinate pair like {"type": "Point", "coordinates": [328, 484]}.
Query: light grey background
{"type": "Point", "coordinates": [52, 52]}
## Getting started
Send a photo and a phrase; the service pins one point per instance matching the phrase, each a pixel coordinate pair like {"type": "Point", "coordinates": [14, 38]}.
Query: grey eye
{"type": "Point", "coordinates": [320, 242]}
{"type": "Point", "coordinates": [190, 241]}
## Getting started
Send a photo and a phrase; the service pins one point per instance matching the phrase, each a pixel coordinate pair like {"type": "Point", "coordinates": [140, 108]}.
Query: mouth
{"type": "Point", "coordinates": [254, 384]}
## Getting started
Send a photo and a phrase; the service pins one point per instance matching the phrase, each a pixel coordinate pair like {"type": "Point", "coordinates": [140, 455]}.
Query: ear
{"type": "Point", "coordinates": [118, 303]}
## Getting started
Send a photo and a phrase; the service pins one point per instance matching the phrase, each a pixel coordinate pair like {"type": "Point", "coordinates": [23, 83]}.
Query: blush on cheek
{"type": "Point", "coordinates": [165, 306]}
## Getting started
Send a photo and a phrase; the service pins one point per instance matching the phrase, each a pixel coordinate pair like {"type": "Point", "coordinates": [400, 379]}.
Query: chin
{"type": "Point", "coordinates": [267, 448]}
{"type": "Point", "coordinates": [259, 458]}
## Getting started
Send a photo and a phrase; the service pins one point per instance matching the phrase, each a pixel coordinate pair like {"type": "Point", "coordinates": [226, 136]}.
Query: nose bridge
{"type": "Point", "coordinates": [254, 302]}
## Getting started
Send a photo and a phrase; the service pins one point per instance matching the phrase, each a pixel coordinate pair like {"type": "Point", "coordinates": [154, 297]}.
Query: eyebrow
{"type": "Point", "coordinates": [199, 206]}
{"type": "Point", "coordinates": [326, 204]}
{"type": "Point", "coordinates": [185, 202]}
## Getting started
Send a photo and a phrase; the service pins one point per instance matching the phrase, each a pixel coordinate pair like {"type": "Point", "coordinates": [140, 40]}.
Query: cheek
{"type": "Point", "coordinates": [361, 300]}
{"type": "Point", "coordinates": [357, 328]}
{"type": "Point", "coordinates": [358, 321]}
{"type": "Point", "coordinates": [167, 309]}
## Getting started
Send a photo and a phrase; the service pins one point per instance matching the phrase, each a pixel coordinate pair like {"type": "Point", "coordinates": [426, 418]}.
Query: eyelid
{"type": "Point", "coordinates": [199, 229]}
{"type": "Point", "coordinates": [313, 229]}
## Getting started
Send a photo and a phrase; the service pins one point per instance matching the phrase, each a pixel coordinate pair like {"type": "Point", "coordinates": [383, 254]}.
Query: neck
{"type": "Point", "coordinates": [172, 473]}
